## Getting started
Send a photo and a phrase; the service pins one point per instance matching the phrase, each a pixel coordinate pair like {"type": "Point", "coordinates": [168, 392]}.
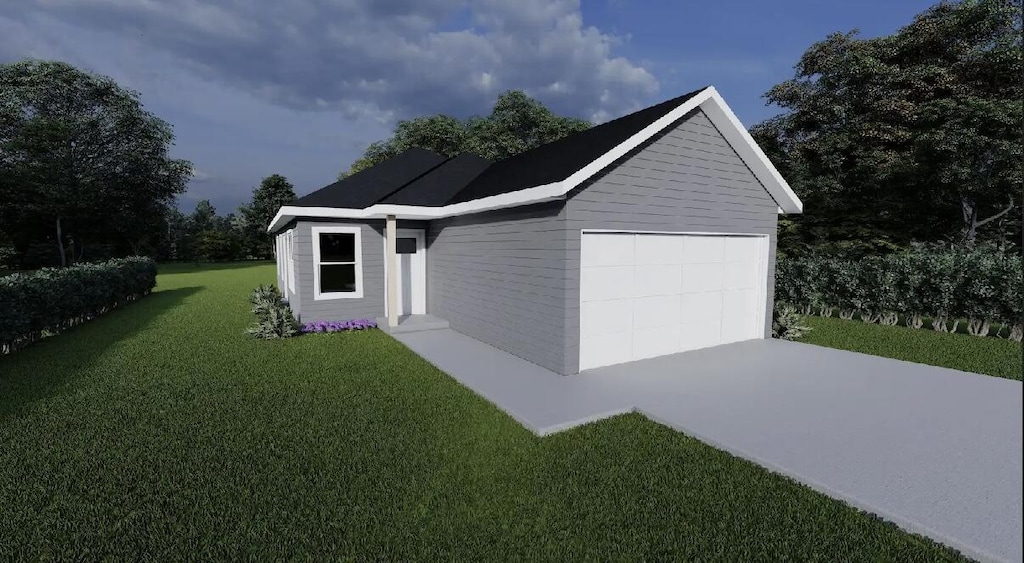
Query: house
{"type": "Point", "coordinates": [647, 235]}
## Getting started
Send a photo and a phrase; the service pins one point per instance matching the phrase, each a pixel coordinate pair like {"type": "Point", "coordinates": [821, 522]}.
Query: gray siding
{"type": "Point", "coordinates": [371, 305]}
{"type": "Point", "coordinates": [688, 179]}
{"type": "Point", "coordinates": [501, 277]}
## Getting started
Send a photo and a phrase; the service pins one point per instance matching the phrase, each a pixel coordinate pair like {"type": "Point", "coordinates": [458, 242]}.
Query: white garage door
{"type": "Point", "coordinates": [644, 295]}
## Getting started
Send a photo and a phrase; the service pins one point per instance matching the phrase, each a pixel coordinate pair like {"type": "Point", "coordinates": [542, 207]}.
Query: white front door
{"type": "Point", "coordinates": [650, 294]}
{"type": "Point", "coordinates": [412, 271]}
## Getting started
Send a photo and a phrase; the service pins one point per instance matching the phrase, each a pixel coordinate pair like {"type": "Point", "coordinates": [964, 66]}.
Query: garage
{"type": "Point", "coordinates": [645, 294]}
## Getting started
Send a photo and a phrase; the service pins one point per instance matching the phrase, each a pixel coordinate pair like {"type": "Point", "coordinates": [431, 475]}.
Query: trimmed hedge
{"type": "Point", "coordinates": [980, 284]}
{"type": "Point", "coordinates": [47, 301]}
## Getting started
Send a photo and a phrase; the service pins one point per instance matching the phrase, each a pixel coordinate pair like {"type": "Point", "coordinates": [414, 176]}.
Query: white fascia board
{"type": "Point", "coordinates": [636, 140]}
{"type": "Point", "coordinates": [537, 194]}
{"type": "Point", "coordinates": [707, 100]}
{"type": "Point", "coordinates": [736, 134]}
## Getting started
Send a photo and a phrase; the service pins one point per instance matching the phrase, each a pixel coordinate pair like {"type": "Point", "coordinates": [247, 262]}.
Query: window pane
{"type": "Point", "coordinates": [337, 247]}
{"type": "Point", "coordinates": [337, 277]}
{"type": "Point", "coordinates": [406, 245]}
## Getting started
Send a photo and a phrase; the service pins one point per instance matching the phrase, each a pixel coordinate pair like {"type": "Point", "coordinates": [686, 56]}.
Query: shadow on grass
{"type": "Point", "coordinates": [192, 267]}
{"type": "Point", "coordinates": [42, 369]}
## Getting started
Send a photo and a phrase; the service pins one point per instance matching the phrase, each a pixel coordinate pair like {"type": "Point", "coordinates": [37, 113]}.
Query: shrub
{"type": "Point", "coordinates": [47, 301]}
{"type": "Point", "coordinates": [274, 318]}
{"type": "Point", "coordinates": [787, 324]}
{"type": "Point", "coordinates": [980, 283]}
{"type": "Point", "coordinates": [339, 326]}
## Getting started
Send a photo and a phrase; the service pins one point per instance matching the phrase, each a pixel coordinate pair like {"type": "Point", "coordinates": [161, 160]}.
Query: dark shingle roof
{"type": "Point", "coordinates": [436, 187]}
{"type": "Point", "coordinates": [425, 178]}
{"type": "Point", "coordinates": [556, 161]}
{"type": "Point", "coordinates": [369, 186]}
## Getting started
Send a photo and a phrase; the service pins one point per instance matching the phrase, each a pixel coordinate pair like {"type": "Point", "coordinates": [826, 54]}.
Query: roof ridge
{"type": "Point", "coordinates": [428, 171]}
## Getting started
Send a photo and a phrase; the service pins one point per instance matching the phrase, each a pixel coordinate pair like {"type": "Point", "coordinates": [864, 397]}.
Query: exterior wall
{"type": "Point", "coordinates": [501, 277]}
{"type": "Point", "coordinates": [371, 305]}
{"type": "Point", "coordinates": [687, 179]}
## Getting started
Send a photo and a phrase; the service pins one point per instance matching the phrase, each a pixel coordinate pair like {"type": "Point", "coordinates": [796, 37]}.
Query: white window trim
{"type": "Point", "coordinates": [290, 263]}
{"type": "Point", "coordinates": [278, 259]}
{"type": "Point", "coordinates": [334, 229]}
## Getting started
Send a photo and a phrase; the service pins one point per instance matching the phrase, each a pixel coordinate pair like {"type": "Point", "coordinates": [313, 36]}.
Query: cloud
{"type": "Point", "coordinates": [380, 59]}
{"type": "Point", "coordinates": [200, 176]}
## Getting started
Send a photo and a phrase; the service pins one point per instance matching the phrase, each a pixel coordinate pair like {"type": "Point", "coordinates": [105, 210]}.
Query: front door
{"type": "Point", "coordinates": [412, 272]}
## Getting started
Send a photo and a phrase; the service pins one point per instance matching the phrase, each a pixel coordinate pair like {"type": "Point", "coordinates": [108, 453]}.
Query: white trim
{"type": "Point", "coordinates": [708, 100]}
{"type": "Point", "coordinates": [736, 134]}
{"type": "Point", "coordinates": [315, 235]}
{"type": "Point", "coordinates": [290, 262]}
{"type": "Point", "coordinates": [419, 296]}
{"type": "Point", "coordinates": [688, 233]}
{"type": "Point", "coordinates": [765, 254]}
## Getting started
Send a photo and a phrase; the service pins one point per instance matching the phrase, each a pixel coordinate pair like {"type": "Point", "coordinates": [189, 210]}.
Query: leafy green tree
{"type": "Point", "coordinates": [77, 150]}
{"type": "Point", "coordinates": [214, 245]}
{"type": "Point", "coordinates": [912, 136]}
{"type": "Point", "coordinates": [517, 123]}
{"type": "Point", "coordinates": [273, 192]}
{"type": "Point", "coordinates": [203, 218]}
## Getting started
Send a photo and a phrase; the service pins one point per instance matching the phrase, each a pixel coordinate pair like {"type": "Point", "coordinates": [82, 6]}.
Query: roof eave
{"type": "Point", "coordinates": [708, 100]}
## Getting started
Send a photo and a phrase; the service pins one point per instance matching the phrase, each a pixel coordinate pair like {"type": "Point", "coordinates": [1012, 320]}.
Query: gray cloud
{"type": "Point", "coordinates": [380, 58]}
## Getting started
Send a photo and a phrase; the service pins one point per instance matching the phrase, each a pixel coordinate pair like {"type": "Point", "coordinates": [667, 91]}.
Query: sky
{"type": "Point", "coordinates": [301, 87]}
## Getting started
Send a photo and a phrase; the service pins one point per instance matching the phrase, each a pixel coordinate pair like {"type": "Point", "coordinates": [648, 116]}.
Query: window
{"type": "Point", "coordinates": [289, 252]}
{"type": "Point", "coordinates": [405, 245]}
{"type": "Point", "coordinates": [337, 262]}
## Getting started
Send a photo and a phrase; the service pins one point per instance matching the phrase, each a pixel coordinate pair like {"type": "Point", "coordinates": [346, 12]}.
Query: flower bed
{"type": "Point", "coordinates": [339, 326]}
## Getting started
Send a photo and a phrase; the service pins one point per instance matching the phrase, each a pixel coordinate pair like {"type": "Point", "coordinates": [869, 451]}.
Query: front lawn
{"type": "Point", "coordinates": [988, 355]}
{"type": "Point", "coordinates": [162, 431]}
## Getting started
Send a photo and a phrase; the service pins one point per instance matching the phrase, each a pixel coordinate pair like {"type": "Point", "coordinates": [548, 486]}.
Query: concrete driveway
{"type": "Point", "coordinates": [936, 451]}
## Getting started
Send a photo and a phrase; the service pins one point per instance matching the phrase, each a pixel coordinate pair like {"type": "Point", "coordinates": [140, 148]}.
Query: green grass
{"type": "Point", "coordinates": [988, 355]}
{"type": "Point", "coordinates": [162, 431]}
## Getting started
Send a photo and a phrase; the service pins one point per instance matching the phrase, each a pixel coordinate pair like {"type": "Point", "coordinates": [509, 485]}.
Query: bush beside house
{"type": "Point", "coordinates": [47, 301]}
{"type": "Point", "coordinates": [979, 284]}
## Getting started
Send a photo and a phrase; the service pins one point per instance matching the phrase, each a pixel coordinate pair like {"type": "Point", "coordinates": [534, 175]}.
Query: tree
{"type": "Point", "coordinates": [216, 245]}
{"type": "Point", "coordinates": [517, 123]}
{"type": "Point", "coordinates": [204, 217]}
{"type": "Point", "coordinates": [78, 151]}
{"type": "Point", "coordinates": [922, 124]}
{"type": "Point", "coordinates": [273, 192]}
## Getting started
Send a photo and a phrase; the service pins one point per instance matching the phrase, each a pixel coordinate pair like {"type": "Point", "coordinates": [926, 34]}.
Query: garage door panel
{"type": "Point", "coordinates": [659, 249]}
{"type": "Point", "coordinates": [644, 295]}
{"type": "Point", "coordinates": [653, 342]}
{"type": "Point", "coordinates": [604, 316]}
{"type": "Point", "coordinates": [742, 249]}
{"type": "Point", "coordinates": [606, 349]}
{"type": "Point", "coordinates": [741, 275]}
{"type": "Point", "coordinates": [608, 282]}
{"type": "Point", "coordinates": [607, 249]}
{"type": "Point", "coordinates": [739, 302]}
{"type": "Point", "coordinates": [663, 310]}
{"type": "Point", "coordinates": [701, 249]}
{"type": "Point", "coordinates": [701, 306]}
{"type": "Point", "coordinates": [703, 277]}
{"type": "Point", "coordinates": [657, 280]}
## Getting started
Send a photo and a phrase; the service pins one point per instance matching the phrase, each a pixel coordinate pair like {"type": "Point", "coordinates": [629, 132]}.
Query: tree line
{"type": "Point", "coordinates": [904, 138]}
{"type": "Point", "coordinates": [242, 235]}
{"type": "Point", "coordinates": [86, 175]}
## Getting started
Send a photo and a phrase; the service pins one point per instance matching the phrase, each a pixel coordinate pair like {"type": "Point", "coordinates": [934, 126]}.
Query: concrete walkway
{"type": "Point", "coordinates": [936, 451]}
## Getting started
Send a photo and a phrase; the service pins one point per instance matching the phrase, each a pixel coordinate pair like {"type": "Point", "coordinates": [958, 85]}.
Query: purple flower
{"type": "Point", "coordinates": [339, 326]}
